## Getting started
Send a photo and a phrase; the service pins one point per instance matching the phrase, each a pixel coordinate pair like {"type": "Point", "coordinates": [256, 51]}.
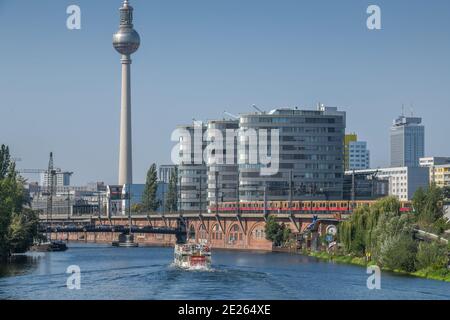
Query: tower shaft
{"type": "Point", "coordinates": [126, 41]}
{"type": "Point", "coordinates": [125, 152]}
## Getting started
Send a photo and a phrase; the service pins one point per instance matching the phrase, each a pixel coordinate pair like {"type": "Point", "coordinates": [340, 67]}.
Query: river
{"type": "Point", "coordinates": [146, 273]}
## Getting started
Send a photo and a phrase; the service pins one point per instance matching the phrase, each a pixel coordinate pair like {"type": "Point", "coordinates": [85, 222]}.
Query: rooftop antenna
{"type": "Point", "coordinates": [230, 115]}
{"type": "Point", "coordinates": [412, 110]}
{"type": "Point", "coordinates": [256, 108]}
{"type": "Point", "coordinates": [403, 109]}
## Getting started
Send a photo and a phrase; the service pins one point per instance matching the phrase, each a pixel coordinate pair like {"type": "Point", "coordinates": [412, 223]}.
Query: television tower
{"type": "Point", "coordinates": [126, 41]}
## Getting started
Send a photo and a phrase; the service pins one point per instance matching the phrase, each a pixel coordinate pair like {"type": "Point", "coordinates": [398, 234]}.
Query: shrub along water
{"type": "Point", "coordinates": [388, 235]}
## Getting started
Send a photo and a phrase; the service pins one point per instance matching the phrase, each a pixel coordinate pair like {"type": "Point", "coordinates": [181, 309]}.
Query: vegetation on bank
{"type": "Point", "coordinates": [279, 234]}
{"type": "Point", "coordinates": [18, 224]}
{"type": "Point", "coordinates": [384, 236]}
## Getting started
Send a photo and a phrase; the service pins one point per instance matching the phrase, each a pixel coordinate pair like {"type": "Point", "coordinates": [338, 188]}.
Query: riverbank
{"type": "Point", "coordinates": [440, 275]}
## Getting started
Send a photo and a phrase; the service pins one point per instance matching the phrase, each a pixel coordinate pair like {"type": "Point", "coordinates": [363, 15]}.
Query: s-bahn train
{"type": "Point", "coordinates": [317, 206]}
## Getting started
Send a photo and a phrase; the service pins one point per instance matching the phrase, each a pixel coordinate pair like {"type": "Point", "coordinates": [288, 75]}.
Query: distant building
{"type": "Point", "coordinates": [121, 199]}
{"type": "Point", "coordinates": [352, 137]}
{"type": "Point", "coordinates": [62, 179]}
{"type": "Point", "coordinates": [359, 156]}
{"type": "Point", "coordinates": [438, 167]}
{"type": "Point", "coordinates": [403, 181]}
{"type": "Point", "coordinates": [433, 161]}
{"type": "Point", "coordinates": [365, 186]}
{"type": "Point", "coordinates": [440, 175]}
{"type": "Point", "coordinates": [407, 142]}
{"type": "Point", "coordinates": [165, 171]}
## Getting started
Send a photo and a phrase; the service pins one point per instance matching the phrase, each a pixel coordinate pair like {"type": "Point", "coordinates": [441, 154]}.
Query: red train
{"type": "Point", "coordinates": [334, 206]}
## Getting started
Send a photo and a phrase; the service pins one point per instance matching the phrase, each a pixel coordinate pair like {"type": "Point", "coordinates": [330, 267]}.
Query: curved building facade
{"type": "Point", "coordinates": [311, 155]}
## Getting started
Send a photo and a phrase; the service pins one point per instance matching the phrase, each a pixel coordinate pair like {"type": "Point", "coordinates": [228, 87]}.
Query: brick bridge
{"type": "Point", "coordinates": [224, 231]}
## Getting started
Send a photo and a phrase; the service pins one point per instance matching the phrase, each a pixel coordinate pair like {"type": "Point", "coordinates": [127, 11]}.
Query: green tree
{"type": "Point", "coordinates": [149, 199]}
{"type": "Point", "coordinates": [5, 161]}
{"type": "Point", "coordinates": [432, 255]}
{"type": "Point", "coordinates": [18, 225]}
{"type": "Point", "coordinates": [275, 232]}
{"type": "Point", "coordinates": [429, 211]}
{"type": "Point", "coordinates": [419, 200]}
{"type": "Point", "coordinates": [398, 253]}
{"type": "Point", "coordinates": [171, 204]}
{"type": "Point", "coordinates": [137, 208]}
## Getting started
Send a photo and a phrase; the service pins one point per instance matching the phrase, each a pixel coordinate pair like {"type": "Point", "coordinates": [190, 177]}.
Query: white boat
{"type": "Point", "coordinates": [192, 256]}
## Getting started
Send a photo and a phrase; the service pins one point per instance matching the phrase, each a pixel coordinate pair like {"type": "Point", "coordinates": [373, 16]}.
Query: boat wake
{"type": "Point", "coordinates": [192, 268]}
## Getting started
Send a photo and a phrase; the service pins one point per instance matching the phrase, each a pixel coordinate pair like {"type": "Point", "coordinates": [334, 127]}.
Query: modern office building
{"type": "Point", "coordinates": [351, 137]}
{"type": "Point", "coordinates": [311, 154]}
{"type": "Point", "coordinates": [403, 181]}
{"type": "Point", "coordinates": [165, 172]}
{"type": "Point", "coordinates": [192, 171]}
{"type": "Point", "coordinates": [62, 179]}
{"type": "Point", "coordinates": [359, 156]}
{"type": "Point", "coordinates": [223, 176]}
{"type": "Point", "coordinates": [407, 142]}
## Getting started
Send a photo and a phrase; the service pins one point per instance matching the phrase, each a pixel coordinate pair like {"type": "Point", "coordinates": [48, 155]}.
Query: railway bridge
{"type": "Point", "coordinates": [245, 231]}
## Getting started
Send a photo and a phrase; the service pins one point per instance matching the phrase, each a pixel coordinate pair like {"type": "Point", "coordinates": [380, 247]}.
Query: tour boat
{"type": "Point", "coordinates": [49, 246]}
{"type": "Point", "coordinates": [192, 256]}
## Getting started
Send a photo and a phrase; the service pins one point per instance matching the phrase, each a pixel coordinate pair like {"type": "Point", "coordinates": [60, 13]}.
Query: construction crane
{"type": "Point", "coordinates": [50, 190]}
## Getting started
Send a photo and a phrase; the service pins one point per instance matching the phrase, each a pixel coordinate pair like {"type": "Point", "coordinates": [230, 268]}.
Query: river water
{"type": "Point", "coordinates": [147, 273]}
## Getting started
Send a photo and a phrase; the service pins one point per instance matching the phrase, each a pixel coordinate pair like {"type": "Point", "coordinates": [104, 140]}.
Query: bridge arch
{"type": "Point", "coordinates": [235, 235]}
{"type": "Point", "coordinates": [202, 233]}
{"type": "Point", "coordinates": [257, 234]}
{"type": "Point", "coordinates": [216, 233]}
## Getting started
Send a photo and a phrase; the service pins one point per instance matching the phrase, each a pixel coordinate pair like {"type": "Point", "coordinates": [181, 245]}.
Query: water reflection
{"type": "Point", "coordinates": [20, 264]}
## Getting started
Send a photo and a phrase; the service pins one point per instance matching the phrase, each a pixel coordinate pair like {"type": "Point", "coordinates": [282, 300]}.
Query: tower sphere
{"type": "Point", "coordinates": [126, 41]}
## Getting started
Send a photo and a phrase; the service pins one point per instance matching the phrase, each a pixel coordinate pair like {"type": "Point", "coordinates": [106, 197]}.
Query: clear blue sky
{"type": "Point", "coordinates": [60, 89]}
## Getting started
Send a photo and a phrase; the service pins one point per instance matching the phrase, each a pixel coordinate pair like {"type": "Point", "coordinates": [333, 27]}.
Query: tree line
{"type": "Point", "coordinates": [389, 236]}
{"type": "Point", "coordinates": [18, 223]}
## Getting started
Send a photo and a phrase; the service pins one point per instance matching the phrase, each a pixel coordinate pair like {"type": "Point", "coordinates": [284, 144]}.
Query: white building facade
{"type": "Point", "coordinates": [403, 181]}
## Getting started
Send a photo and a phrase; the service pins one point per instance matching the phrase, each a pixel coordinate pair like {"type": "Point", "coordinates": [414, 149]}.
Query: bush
{"type": "Point", "coordinates": [431, 255]}
{"type": "Point", "coordinates": [398, 253]}
{"type": "Point", "coordinates": [275, 232]}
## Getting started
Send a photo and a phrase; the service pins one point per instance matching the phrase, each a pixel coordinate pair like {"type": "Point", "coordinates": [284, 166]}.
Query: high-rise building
{"type": "Point", "coordinates": [358, 156]}
{"type": "Point", "coordinates": [225, 168]}
{"type": "Point", "coordinates": [192, 176]}
{"type": "Point", "coordinates": [407, 142]}
{"type": "Point", "coordinates": [311, 155]}
{"type": "Point", "coordinates": [351, 137]}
